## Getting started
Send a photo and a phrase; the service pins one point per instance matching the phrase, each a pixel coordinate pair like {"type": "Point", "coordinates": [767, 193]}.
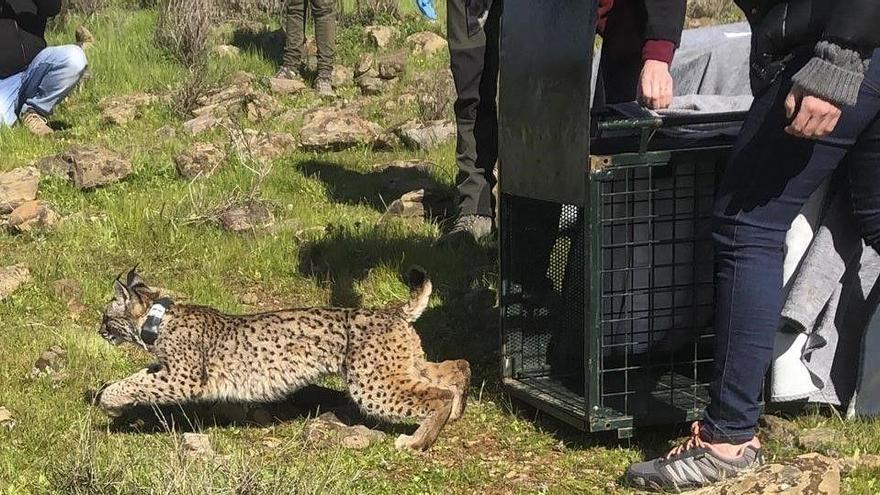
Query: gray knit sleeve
{"type": "Point", "coordinates": [834, 74]}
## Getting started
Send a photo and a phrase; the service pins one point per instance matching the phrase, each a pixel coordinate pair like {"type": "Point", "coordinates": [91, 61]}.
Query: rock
{"type": "Point", "coordinates": [271, 443]}
{"type": "Point", "coordinates": [196, 446]}
{"type": "Point", "coordinates": [327, 429]}
{"type": "Point", "coordinates": [392, 65]}
{"type": "Point", "coordinates": [120, 110]}
{"type": "Point", "coordinates": [199, 160]}
{"type": "Point", "coordinates": [242, 77]}
{"type": "Point", "coordinates": [31, 216]}
{"type": "Point", "coordinates": [7, 420]}
{"type": "Point", "coordinates": [17, 186]}
{"type": "Point", "coordinates": [247, 216]}
{"type": "Point", "coordinates": [777, 429]}
{"type": "Point", "coordinates": [262, 145]}
{"type": "Point", "coordinates": [52, 359]}
{"type": "Point", "coordinates": [426, 136]}
{"type": "Point", "coordinates": [425, 43]}
{"type": "Point", "coordinates": [94, 166]}
{"type": "Point", "coordinates": [387, 141]}
{"type": "Point", "coordinates": [381, 36]}
{"type": "Point", "coordinates": [84, 37]}
{"type": "Point", "coordinates": [11, 278]}
{"type": "Point", "coordinates": [342, 76]}
{"type": "Point", "coordinates": [809, 474]}
{"type": "Point", "coordinates": [414, 164]}
{"type": "Point", "coordinates": [226, 51]}
{"type": "Point", "coordinates": [820, 438]}
{"type": "Point", "coordinates": [336, 129]}
{"type": "Point", "coordinates": [259, 106]}
{"type": "Point", "coordinates": [286, 86]}
{"type": "Point", "coordinates": [166, 131]}
{"type": "Point", "coordinates": [410, 205]}
{"type": "Point", "coordinates": [863, 461]}
{"type": "Point", "coordinates": [53, 166]}
{"type": "Point", "coordinates": [204, 123]}
{"type": "Point", "coordinates": [366, 66]}
{"type": "Point", "coordinates": [372, 86]}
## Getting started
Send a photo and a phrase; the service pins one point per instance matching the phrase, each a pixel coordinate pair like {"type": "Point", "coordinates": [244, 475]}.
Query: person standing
{"type": "Point", "coordinates": [815, 70]}
{"type": "Point", "coordinates": [34, 78]}
{"type": "Point", "coordinates": [640, 37]}
{"type": "Point", "coordinates": [325, 38]}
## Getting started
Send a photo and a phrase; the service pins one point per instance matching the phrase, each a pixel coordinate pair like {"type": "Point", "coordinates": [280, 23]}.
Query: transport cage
{"type": "Point", "coordinates": [607, 294]}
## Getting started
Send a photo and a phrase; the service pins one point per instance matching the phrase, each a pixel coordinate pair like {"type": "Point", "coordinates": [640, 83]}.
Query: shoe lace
{"type": "Point", "coordinates": [694, 442]}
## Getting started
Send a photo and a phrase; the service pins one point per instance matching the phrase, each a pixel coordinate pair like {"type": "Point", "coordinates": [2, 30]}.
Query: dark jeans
{"type": "Point", "coordinates": [474, 64]}
{"type": "Point", "coordinates": [325, 34]}
{"type": "Point", "coordinates": [769, 178]}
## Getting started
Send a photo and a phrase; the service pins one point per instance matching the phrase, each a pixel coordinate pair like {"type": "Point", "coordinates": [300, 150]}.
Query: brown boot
{"type": "Point", "coordinates": [36, 123]}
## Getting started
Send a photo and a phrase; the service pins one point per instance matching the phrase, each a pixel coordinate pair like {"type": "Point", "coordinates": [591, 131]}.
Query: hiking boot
{"type": "Point", "coordinates": [288, 73]}
{"type": "Point", "coordinates": [36, 123]}
{"type": "Point", "coordinates": [472, 228]}
{"type": "Point", "coordinates": [324, 87]}
{"type": "Point", "coordinates": [694, 464]}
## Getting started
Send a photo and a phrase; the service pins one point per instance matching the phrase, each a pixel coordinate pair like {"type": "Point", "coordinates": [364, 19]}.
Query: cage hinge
{"type": "Point", "coordinates": [599, 163]}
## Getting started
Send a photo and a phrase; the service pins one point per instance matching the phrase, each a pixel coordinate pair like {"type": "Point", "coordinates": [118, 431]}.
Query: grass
{"type": "Point", "coordinates": [332, 250]}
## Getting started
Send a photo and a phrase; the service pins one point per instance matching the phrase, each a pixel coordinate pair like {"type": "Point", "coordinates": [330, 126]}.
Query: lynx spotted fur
{"type": "Point", "coordinates": [205, 355]}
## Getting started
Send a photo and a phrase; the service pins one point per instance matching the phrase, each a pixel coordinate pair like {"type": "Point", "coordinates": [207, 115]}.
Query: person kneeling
{"type": "Point", "coordinates": [34, 78]}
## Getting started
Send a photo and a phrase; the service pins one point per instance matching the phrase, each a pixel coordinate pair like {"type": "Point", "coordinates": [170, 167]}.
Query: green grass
{"type": "Point", "coordinates": [332, 250]}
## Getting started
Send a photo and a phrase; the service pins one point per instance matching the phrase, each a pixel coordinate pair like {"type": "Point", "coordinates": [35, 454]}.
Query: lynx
{"type": "Point", "coordinates": [205, 355]}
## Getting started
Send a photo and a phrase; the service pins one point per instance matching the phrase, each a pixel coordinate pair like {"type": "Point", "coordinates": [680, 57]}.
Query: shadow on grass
{"type": "Point", "coordinates": [309, 402]}
{"type": "Point", "coordinates": [380, 187]}
{"type": "Point", "coordinates": [268, 43]}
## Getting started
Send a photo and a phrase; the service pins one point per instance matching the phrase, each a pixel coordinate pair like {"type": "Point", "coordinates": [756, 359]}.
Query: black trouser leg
{"type": "Point", "coordinates": [474, 64]}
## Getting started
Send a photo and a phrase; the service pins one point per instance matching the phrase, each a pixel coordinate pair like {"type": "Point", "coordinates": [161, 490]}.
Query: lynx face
{"type": "Point", "coordinates": [122, 314]}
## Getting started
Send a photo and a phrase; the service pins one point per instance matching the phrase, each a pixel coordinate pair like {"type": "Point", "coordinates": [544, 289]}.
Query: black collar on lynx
{"type": "Point", "coordinates": [150, 329]}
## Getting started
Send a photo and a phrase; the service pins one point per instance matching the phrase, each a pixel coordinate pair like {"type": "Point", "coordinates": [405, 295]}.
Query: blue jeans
{"type": "Point", "coordinates": [768, 179]}
{"type": "Point", "coordinates": [43, 84]}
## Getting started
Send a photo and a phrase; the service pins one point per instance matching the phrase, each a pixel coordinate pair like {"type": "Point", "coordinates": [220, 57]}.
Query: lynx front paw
{"type": "Point", "coordinates": [404, 442]}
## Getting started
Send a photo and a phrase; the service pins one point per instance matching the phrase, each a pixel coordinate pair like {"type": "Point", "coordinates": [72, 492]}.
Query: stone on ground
{"type": "Point", "coordinates": [17, 186]}
{"type": "Point", "coordinates": [342, 76]}
{"type": "Point", "coordinates": [373, 86]}
{"type": "Point", "coordinates": [248, 216]}
{"type": "Point", "coordinates": [11, 278]}
{"type": "Point", "coordinates": [196, 446]}
{"type": "Point", "coordinates": [226, 51]}
{"type": "Point", "coordinates": [425, 43]}
{"type": "Point", "coordinates": [32, 216]}
{"type": "Point", "coordinates": [381, 36]}
{"type": "Point", "coordinates": [366, 66]}
{"type": "Point", "coordinates": [262, 145]}
{"type": "Point", "coordinates": [336, 129]}
{"type": "Point", "coordinates": [7, 420]}
{"type": "Point", "coordinates": [51, 360]}
{"type": "Point", "coordinates": [284, 86]}
{"type": "Point", "coordinates": [820, 438]}
{"type": "Point", "coordinates": [206, 122]}
{"type": "Point", "coordinates": [327, 430]}
{"type": "Point", "coordinates": [53, 166]}
{"type": "Point", "coordinates": [199, 160]}
{"type": "Point", "coordinates": [411, 205]}
{"type": "Point", "coordinates": [426, 136]}
{"type": "Point", "coordinates": [120, 110]}
{"type": "Point", "coordinates": [412, 164]}
{"type": "Point", "coordinates": [392, 65]}
{"type": "Point", "coordinates": [809, 474]}
{"type": "Point", "coordinates": [93, 166]}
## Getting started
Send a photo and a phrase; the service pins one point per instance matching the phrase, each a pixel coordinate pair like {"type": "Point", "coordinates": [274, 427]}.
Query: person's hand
{"type": "Point", "coordinates": [655, 85]}
{"type": "Point", "coordinates": [814, 117]}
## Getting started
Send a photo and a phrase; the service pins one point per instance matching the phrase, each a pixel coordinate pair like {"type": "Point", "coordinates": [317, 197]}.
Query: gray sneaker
{"type": "Point", "coordinates": [692, 465]}
{"type": "Point", "coordinates": [473, 228]}
{"type": "Point", "coordinates": [324, 87]}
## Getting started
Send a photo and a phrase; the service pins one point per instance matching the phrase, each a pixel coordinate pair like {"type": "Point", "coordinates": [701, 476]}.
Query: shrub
{"type": "Point", "coordinates": [721, 11]}
{"type": "Point", "coordinates": [184, 28]}
{"type": "Point", "coordinates": [85, 7]}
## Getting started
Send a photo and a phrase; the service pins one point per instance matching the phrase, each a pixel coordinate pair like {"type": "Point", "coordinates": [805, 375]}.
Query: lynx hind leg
{"type": "Point", "coordinates": [143, 388]}
{"type": "Point", "coordinates": [454, 376]}
{"type": "Point", "coordinates": [402, 396]}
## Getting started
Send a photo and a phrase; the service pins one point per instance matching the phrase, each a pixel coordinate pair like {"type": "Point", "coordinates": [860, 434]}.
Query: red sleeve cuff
{"type": "Point", "coordinates": [661, 50]}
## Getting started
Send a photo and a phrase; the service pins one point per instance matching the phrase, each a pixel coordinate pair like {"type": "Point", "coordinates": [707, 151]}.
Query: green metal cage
{"type": "Point", "coordinates": [607, 295]}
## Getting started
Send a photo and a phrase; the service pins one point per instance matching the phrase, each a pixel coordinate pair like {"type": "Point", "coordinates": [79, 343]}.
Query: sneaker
{"type": "Point", "coordinates": [288, 73]}
{"type": "Point", "coordinates": [694, 464]}
{"type": "Point", "coordinates": [324, 87]}
{"type": "Point", "coordinates": [426, 7]}
{"type": "Point", "coordinates": [473, 228]}
{"type": "Point", "coordinates": [36, 123]}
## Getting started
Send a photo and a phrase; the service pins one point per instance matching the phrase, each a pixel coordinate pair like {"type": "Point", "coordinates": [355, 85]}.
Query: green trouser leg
{"type": "Point", "coordinates": [474, 64]}
{"type": "Point", "coordinates": [325, 34]}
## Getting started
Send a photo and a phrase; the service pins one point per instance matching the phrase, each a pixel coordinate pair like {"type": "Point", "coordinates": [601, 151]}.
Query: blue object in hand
{"type": "Point", "coordinates": [426, 7]}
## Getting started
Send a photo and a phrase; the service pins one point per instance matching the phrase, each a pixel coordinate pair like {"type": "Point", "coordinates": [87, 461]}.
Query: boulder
{"type": "Point", "coordinates": [31, 216]}
{"type": "Point", "coordinates": [120, 110]}
{"type": "Point", "coordinates": [426, 136]}
{"type": "Point", "coordinates": [248, 216]}
{"type": "Point", "coordinates": [425, 43]}
{"type": "Point", "coordinates": [199, 160]}
{"type": "Point", "coordinates": [17, 186]}
{"type": "Point", "coordinates": [392, 65]}
{"type": "Point", "coordinates": [381, 36]}
{"type": "Point", "coordinates": [411, 205]}
{"type": "Point", "coordinates": [51, 360]}
{"type": "Point", "coordinates": [336, 129]}
{"type": "Point", "coordinates": [809, 474]}
{"type": "Point", "coordinates": [11, 278]}
{"type": "Point", "coordinates": [285, 86]}
{"type": "Point", "coordinates": [205, 122]}
{"type": "Point", "coordinates": [372, 86]}
{"type": "Point", "coordinates": [262, 145]}
{"type": "Point", "coordinates": [94, 166]}
{"type": "Point", "coordinates": [366, 66]}
{"type": "Point", "coordinates": [53, 166]}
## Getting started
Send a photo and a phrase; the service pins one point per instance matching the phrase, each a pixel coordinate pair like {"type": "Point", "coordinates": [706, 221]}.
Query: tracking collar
{"type": "Point", "coordinates": [150, 329]}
